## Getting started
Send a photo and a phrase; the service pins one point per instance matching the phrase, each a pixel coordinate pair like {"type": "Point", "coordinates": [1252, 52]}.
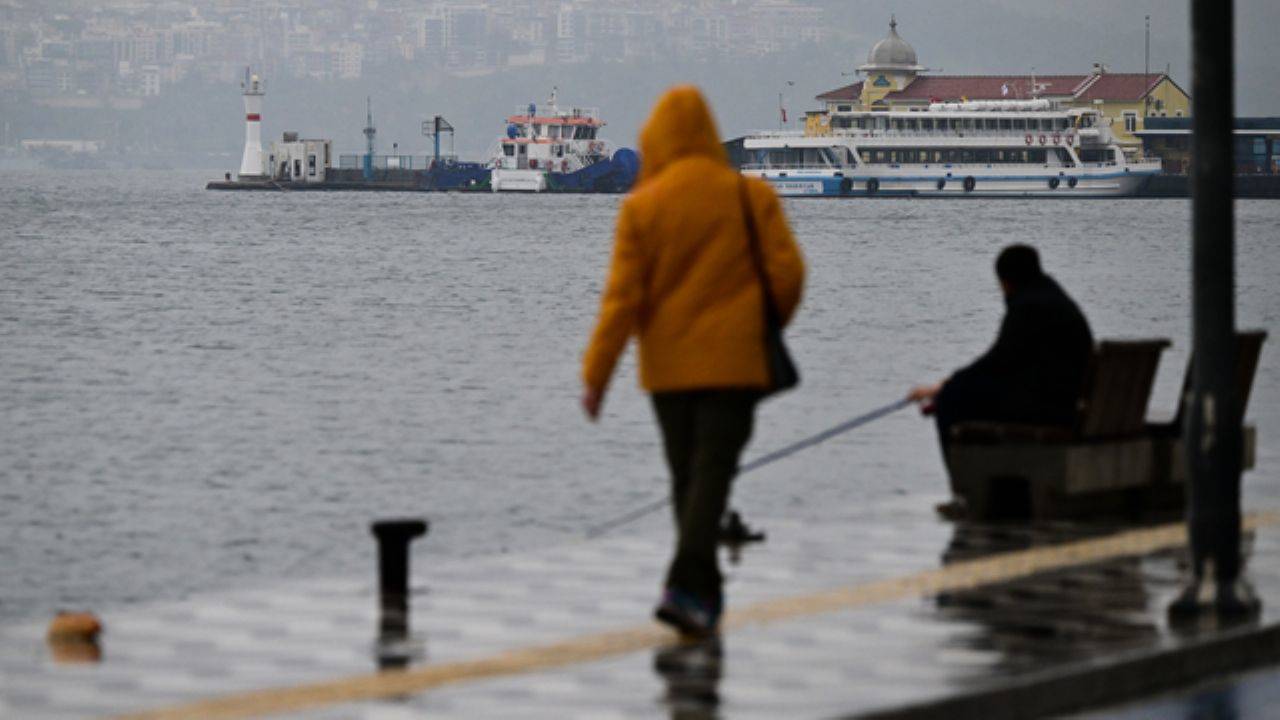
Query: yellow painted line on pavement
{"type": "Point", "coordinates": [589, 648]}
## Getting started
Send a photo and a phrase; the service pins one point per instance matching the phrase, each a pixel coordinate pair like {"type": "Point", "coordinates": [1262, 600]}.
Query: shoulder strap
{"type": "Point", "coordinates": [757, 255]}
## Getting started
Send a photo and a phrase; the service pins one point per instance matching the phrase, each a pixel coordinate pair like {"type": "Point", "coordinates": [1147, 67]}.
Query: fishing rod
{"type": "Point", "coordinates": [766, 459]}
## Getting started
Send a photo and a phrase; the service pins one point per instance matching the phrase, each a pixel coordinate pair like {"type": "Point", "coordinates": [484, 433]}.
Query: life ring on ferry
{"type": "Point", "coordinates": [969, 183]}
{"type": "Point", "coordinates": [1057, 138]}
{"type": "Point", "coordinates": [533, 164]}
{"type": "Point", "coordinates": [873, 186]}
{"type": "Point", "coordinates": [1042, 138]}
{"type": "Point", "coordinates": [1070, 138]}
{"type": "Point", "coordinates": [1071, 182]}
{"type": "Point", "coordinates": [1029, 138]}
{"type": "Point", "coordinates": [1053, 183]}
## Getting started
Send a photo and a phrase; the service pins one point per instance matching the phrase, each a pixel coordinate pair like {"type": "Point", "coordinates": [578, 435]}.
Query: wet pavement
{"type": "Point", "coordinates": [884, 610]}
{"type": "Point", "coordinates": [1248, 696]}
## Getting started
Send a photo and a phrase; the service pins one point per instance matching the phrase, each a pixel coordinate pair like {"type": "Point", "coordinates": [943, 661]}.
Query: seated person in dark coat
{"type": "Point", "coordinates": [1034, 372]}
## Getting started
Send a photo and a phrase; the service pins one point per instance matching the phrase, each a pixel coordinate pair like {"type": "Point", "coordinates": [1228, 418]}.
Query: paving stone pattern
{"type": "Point", "coordinates": [831, 664]}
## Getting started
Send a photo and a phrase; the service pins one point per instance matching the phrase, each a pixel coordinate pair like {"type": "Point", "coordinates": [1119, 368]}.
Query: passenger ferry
{"type": "Point", "coordinates": [1021, 148]}
{"type": "Point", "coordinates": [547, 148]}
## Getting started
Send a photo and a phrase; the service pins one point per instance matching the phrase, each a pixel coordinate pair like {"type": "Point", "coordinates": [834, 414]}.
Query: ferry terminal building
{"type": "Point", "coordinates": [895, 80]}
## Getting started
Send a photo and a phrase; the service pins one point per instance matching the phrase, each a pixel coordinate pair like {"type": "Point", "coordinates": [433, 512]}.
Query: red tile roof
{"type": "Point", "coordinates": [1121, 86]}
{"type": "Point", "coordinates": [1127, 87]}
{"type": "Point", "coordinates": [848, 92]}
{"type": "Point", "coordinates": [986, 87]}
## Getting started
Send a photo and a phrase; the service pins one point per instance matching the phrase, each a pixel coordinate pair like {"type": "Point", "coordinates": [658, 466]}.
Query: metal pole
{"type": "Point", "coordinates": [394, 537]}
{"type": "Point", "coordinates": [1211, 432]}
{"type": "Point", "coordinates": [436, 144]}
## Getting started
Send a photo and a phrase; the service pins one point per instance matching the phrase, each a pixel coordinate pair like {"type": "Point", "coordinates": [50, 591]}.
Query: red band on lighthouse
{"type": "Point", "coordinates": [253, 117]}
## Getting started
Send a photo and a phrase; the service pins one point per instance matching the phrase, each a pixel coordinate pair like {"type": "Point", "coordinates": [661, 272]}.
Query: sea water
{"type": "Point", "coordinates": [203, 390]}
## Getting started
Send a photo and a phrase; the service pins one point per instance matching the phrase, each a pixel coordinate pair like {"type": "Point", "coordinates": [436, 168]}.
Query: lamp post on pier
{"type": "Point", "coordinates": [1212, 414]}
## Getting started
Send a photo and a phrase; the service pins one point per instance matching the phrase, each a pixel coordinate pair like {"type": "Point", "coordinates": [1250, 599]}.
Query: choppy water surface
{"type": "Point", "coordinates": [203, 389]}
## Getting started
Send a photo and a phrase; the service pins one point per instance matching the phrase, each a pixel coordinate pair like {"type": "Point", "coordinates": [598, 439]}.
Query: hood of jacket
{"type": "Point", "coordinates": [679, 127]}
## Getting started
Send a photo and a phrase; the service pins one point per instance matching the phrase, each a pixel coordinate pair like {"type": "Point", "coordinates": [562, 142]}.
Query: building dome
{"type": "Point", "coordinates": [892, 53]}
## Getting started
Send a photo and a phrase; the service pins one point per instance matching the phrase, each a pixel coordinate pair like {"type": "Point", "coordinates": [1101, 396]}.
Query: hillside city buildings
{"type": "Point", "coordinates": [118, 52]}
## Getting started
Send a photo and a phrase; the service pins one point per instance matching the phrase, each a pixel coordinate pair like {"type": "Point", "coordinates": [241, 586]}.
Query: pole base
{"type": "Point", "coordinates": [1205, 597]}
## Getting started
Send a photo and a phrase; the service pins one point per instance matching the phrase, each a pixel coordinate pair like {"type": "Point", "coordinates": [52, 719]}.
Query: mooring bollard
{"type": "Point", "coordinates": [394, 537]}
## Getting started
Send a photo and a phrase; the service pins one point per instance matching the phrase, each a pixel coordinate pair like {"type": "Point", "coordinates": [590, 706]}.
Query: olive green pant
{"type": "Point", "coordinates": [703, 433]}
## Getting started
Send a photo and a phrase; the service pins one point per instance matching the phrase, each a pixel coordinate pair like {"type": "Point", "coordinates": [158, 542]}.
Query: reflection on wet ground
{"type": "Point", "coordinates": [1060, 615]}
{"type": "Point", "coordinates": [692, 672]}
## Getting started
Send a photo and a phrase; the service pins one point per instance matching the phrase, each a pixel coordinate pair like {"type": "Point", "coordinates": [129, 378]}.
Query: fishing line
{"type": "Point", "coordinates": [766, 459]}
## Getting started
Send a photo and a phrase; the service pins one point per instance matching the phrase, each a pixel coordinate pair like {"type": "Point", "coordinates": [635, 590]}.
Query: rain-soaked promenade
{"type": "Point", "coordinates": [885, 612]}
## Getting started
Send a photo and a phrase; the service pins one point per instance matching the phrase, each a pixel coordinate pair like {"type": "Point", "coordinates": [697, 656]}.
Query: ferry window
{"type": "Point", "coordinates": [991, 123]}
{"type": "Point", "coordinates": [1063, 123]}
{"type": "Point", "coordinates": [982, 156]}
{"type": "Point", "coordinates": [912, 124]}
{"type": "Point", "coordinates": [537, 129]}
{"type": "Point", "coordinates": [508, 150]}
{"type": "Point", "coordinates": [926, 123]}
{"type": "Point", "coordinates": [1019, 124]}
{"type": "Point", "coordinates": [866, 155]}
{"type": "Point", "coordinates": [311, 164]}
{"type": "Point", "coordinates": [880, 156]}
{"type": "Point", "coordinates": [1037, 156]}
{"type": "Point", "coordinates": [966, 156]}
{"type": "Point", "coordinates": [554, 131]}
{"type": "Point", "coordinates": [897, 123]}
{"type": "Point", "coordinates": [522, 149]}
{"type": "Point", "coordinates": [862, 123]}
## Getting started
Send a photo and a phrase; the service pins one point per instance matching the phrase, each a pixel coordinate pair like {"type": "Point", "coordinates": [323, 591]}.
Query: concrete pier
{"type": "Point", "coordinates": [888, 612]}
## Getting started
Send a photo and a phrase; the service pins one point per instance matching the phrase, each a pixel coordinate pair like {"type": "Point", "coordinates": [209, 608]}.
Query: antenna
{"type": "Point", "coordinates": [1146, 70]}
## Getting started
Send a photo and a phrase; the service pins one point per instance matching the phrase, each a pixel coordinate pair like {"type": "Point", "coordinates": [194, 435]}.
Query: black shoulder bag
{"type": "Point", "coordinates": [783, 374]}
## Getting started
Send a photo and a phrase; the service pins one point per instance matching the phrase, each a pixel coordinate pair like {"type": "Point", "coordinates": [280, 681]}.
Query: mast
{"type": "Point", "coordinates": [369, 132]}
{"type": "Point", "coordinates": [1146, 71]}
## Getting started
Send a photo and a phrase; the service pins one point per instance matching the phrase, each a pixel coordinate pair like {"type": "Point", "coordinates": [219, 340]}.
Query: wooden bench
{"type": "Point", "coordinates": [1010, 471]}
{"type": "Point", "coordinates": [1169, 463]}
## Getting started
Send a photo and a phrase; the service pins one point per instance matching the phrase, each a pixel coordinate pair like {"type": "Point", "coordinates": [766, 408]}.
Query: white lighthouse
{"type": "Point", "coordinates": [251, 163]}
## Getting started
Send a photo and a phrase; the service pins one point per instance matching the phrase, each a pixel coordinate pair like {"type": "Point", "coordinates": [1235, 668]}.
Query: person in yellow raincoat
{"type": "Point", "coordinates": [682, 280]}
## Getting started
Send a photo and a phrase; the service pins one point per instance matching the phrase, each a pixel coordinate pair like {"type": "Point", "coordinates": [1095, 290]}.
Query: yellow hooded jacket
{"type": "Point", "coordinates": [681, 276]}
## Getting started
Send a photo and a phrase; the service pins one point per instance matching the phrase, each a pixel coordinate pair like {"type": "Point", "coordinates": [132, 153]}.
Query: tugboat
{"type": "Point", "coordinates": [547, 149]}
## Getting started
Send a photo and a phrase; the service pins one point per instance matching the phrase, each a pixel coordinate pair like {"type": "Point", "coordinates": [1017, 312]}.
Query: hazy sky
{"type": "Point", "coordinates": [950, 36]}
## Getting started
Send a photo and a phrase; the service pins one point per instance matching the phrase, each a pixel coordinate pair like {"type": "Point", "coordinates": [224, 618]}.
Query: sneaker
{"type": "Point", "coordinates": [955, 509]}
{"type": "Point", "coordinates": [687, 614]}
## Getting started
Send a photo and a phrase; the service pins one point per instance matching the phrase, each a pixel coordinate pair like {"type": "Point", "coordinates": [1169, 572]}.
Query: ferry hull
{"type": "Point", "coordinates": [958, 183]}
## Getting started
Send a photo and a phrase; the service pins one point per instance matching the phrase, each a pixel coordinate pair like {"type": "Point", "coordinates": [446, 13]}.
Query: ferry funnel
{"type": "Point", "coordinates": [251, 162]}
